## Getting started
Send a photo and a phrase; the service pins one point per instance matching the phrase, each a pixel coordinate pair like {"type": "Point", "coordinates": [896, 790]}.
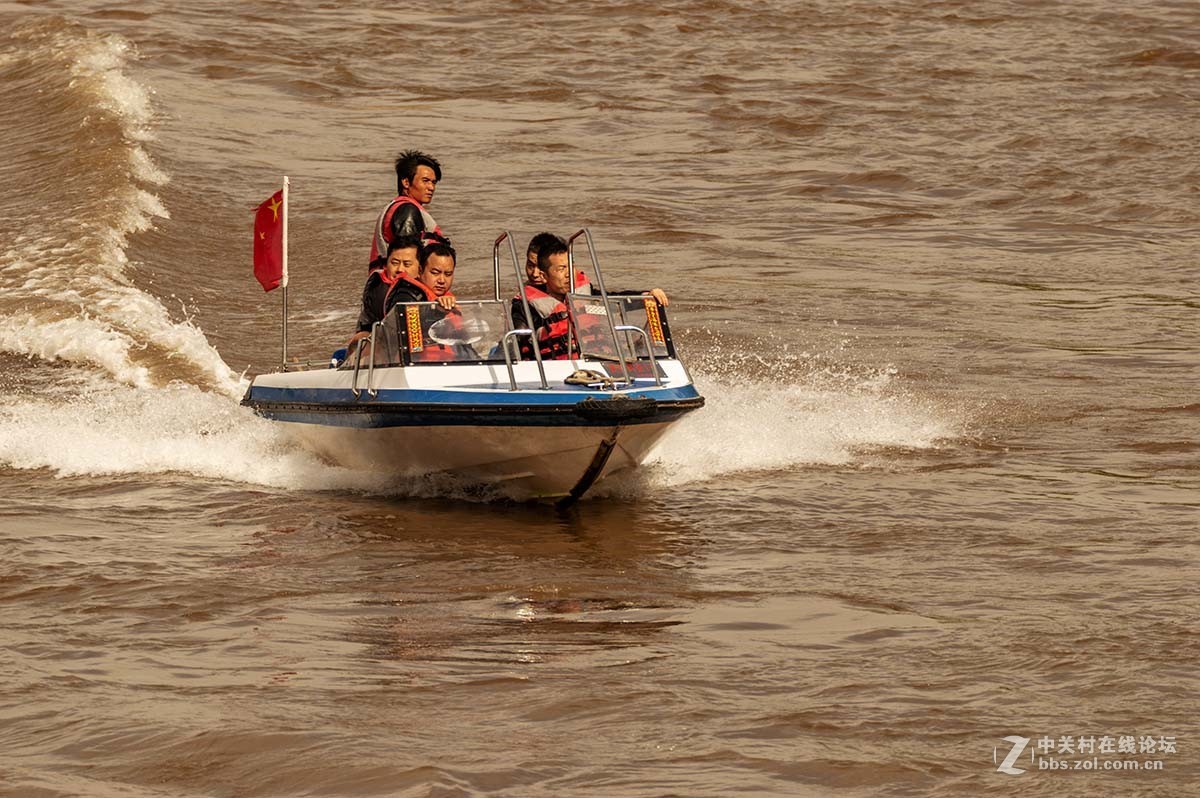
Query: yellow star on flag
{"type": "Point", "coordinates": [274, 206]}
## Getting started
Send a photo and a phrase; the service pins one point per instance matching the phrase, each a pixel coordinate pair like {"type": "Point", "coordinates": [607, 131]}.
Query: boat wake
{"type": "Point", "coordinates": [798, 417]}
{"type": "Point", "coordinates": [68, 290]}
{"type": "Point", "coordinates": [94, 427]}
{"type": "Point", "coordinates": [105, 382]}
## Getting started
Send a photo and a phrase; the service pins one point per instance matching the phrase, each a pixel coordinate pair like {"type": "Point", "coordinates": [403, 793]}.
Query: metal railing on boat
{"type": "Point", "coordinates": [371, 390]}
{"type": "Point", "coordinates": [631, 328]}
{"type": "Point", "coordinates": [587, 237]}
{"type": "Point", "coordinates": [537, 355]}
{"type": "Point", "coordinates": [369, 344]}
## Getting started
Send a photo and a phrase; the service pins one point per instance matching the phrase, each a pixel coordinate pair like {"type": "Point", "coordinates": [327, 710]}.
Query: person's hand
{"type": "Point", "coordinates": [352, 344]}
{"type": "Point", "coordinates": [447, 302]}
{"type": "Point", "coordinates": [659, 295]}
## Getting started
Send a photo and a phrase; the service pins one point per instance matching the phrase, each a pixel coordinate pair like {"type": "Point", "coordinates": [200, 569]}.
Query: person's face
{"type": "Point", "coordinates": [401, 260]}
{"type": "Point", "coordinates": [422, 186]}
{"type": "Point", "coordinates": [438, 274]}
{"type": "Point", "coordinates": [533, 272]}
{"type": "Point", "coordinates": [558, 275]}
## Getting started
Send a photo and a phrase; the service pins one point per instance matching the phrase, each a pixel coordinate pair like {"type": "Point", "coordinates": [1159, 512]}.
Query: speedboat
{"type": "Point", "coordinates": [456, 393]}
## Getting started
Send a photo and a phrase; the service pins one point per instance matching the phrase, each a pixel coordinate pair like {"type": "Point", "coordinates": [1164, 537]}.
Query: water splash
{"type": "Point", "coordinates": [97, 428]}
{"type": "Point", "coordinates": [67, 295]}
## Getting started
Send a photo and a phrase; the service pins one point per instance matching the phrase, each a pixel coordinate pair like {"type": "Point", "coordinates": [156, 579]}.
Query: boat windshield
{"type": "Point", "coordinates": [424, 333]}
{"type": "Point", "coordinates": [642, 312]}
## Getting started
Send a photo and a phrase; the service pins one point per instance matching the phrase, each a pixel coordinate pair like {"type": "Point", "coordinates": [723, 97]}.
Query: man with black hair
{"type": "Point", "coordinates": [436, 274]}
{"type": "Point", "coordinates": [417, 176]}
{"type": "Point", "coordinates": [533, 275]}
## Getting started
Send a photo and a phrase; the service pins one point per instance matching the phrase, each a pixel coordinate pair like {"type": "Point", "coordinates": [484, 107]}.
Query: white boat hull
{"type": "Point", "coordinates": [519, 462]}
{"type": "Point", "coordinates": [469, 421]}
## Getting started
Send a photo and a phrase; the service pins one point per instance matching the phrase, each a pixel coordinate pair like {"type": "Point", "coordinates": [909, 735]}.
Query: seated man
{"type": "Point", "coordinates": [534, 277]}
{"type": "Point", "coordinates": [389, 282]}
{"type": "Point", "coordinates": [441, 326]}
{"type": "Point", "coordinates": [547, 303]}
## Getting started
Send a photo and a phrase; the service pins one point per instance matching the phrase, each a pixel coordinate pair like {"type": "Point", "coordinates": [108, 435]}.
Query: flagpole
{"type": "Point", "coordinates": [284, 281]}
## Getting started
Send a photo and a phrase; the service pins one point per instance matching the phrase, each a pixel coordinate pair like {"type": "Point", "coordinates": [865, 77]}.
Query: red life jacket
{"type": "Point", "coordinates": [401, 277]}
{"type": "Point", "coordinates": [383, 225]}
{"type": "Point", "coordinates": [556, 340]}
{"type": "Point", "coordinates": [543, 302]}
{"type": "Point", "coordinates": [422, 349]}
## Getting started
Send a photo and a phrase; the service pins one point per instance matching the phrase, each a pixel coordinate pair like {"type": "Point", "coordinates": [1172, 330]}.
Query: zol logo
{"type": "Point", "coordinates": [1018, 746]}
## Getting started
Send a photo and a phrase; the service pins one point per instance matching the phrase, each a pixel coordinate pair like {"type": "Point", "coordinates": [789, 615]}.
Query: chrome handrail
{"type": "Point", "coordinates": [371, 389]}
{"type": "Point", "coordinates": [628, 328]}
{"type": "Point", "coordinates": [512, 249]}
{"type": "Point", "coordinates": [496, 263]}
{"type": "Point", "coordinates": [512, 379]}
{"type": "Point", "coordinates": [603, 293]}
{"type": "Point", "coordinates": [358, 354]}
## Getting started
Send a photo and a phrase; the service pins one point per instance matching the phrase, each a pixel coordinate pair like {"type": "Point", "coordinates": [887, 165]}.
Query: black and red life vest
{"type": "Point", "coordinates": [416, 285]}
{"type": "Point", "coordinates": [383, 225]}
{"type": "Point", "coordinates": [554, 334]}
{"type": "Point", "coordinates": [417, 319]}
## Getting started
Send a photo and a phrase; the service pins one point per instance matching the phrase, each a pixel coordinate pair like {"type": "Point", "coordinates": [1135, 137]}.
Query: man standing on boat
{"type": "Point", "coordinates": [417, 176]}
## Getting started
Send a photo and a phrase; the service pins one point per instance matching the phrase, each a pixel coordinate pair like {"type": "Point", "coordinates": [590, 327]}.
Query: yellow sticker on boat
{"type": "Point", "coordinates": [412, 318]}
{"type": "Point", "coordinates": [653, 322]}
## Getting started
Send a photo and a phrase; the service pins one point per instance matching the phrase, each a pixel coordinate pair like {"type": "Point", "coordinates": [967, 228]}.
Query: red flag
{"type": "Point", "coordinates": [268, 242]}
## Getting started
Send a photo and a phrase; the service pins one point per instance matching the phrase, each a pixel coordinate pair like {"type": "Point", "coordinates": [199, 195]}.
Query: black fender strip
{"type": "Point", "coordinates": [599, 460]}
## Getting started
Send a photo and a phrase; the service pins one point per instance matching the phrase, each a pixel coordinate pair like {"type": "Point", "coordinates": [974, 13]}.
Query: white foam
{"type": "Point", "coordinates": [83, 308]}
{"type": "Point", "coordinates": [99, 64]}
{"type": "Point", "coordinates": [146, 319]}
{"type": "Point", "coordinates": [146, 170]}
{"type": "Point", "coordinates": [817, 419]}
{"type": "Point", "coordinates": [114, 430]}
{"type": "Point", "coordinates": [112, 324]}
{"type": "Point", "coordinates": [73, 340]}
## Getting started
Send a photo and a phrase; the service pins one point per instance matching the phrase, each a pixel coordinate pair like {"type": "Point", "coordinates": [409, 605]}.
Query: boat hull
{"type": "Point", "coordinates": [522, 463]}
{"type": "Point", "coordinates": [527, 441]}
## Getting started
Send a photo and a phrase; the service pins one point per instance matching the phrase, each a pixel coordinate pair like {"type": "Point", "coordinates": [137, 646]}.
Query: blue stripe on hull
{"type": "Point", "coordinates": [342, 398]}
{"type": "Point", "coordinates": [369, 420]}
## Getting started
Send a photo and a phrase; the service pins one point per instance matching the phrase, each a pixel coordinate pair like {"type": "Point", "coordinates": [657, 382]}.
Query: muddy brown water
{"type": "Point", "coordinates": [933, 265]}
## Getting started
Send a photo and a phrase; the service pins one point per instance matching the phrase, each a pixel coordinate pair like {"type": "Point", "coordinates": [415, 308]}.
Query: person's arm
{"type": "Point", "coordinates": [407, 221]}
{"type": "Point", "coordinates": [660, 296]}
{"type": "Point", "coordinates": [366, 316]}
{"type": "Point", "coordinates": [518, 315]}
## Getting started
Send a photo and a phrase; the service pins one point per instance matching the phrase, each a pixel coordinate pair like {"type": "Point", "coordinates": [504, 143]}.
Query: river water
{"type": "Point", "coordinates": [933, 265]}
